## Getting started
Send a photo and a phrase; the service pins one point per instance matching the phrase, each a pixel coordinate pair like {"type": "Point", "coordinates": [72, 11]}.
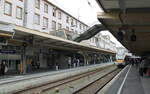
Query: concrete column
{"type": "Point", "coordinates": [23, 63]}
{"type": "Point", "coordinates": [84, 56]}
{"type": "Point", "coordinates": [110, 58]}
{"type": "Point", "coordinates": [86, 60]}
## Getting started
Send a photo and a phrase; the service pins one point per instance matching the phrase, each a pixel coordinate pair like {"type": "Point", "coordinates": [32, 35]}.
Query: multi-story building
{"type": "Point", "coordinates": [44, 16]}
{"type": "Point", "coordinates": [40, 15]}
{"type": "Point", "coordinates": [101, 41]}
{"type": "Point", "coordinates": [30, 43]}
{"type": "Point", "coordinates": [12, 11]}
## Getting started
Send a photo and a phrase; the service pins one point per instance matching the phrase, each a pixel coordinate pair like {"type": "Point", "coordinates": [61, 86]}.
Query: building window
{"type": "Point", "coordinates": [45, 22]}
{"type": "Point", "coordinates": [21, 0]}
{"type": "Point", "coordinates": [76, 23]}
{"type": "Point", "coordinates": [8, 8]}
{"type": "Point", "coordinates": [72, 30]}
{"type": "Point", "coordinates": [67, 28]}
{"type": "Point", "coordinates": [93, 40]}
{"type": "Point", "coordinates": [83, 27]}
{"type": "Point", "coordinates": [71, 22]}
{"type": "Point", "coordinates": [59, 15]}
{"type": "Point", "coordinates": [67, 19]}
{"type": "Point", "coordinates": [37, 19]}
{"type": "Point", "coordinates": [54, 12]}
{"type": "Point", "coordinates": [86, 28]}
{"type": "Point", "coordinates": [46, 8]}
{"type": "Point", "coordinates": [37, 4]}
{"type": "Point", "coordinates": [19, 12]}
{"type": "Point", "coordinates": [59, 26]}
{"type": "Point", "coordinates": [76, 31]}
{"type": "Point", "coordinates": [53, 25]}
{"type": "Point", "coordinates": [80, 26]}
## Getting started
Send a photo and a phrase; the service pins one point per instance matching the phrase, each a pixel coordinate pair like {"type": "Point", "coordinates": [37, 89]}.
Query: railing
{"type": "Point", "coordinates": [63, 33]}
{"type": "Point", "coordinates": [59, 33]}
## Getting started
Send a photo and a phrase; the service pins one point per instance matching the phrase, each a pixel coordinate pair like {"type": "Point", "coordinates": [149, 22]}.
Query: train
{"type": "Point", "coordinates": [121, 54]}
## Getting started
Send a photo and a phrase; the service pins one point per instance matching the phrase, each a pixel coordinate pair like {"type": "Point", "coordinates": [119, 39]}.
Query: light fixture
{"type": "Point", "coordinates": [120, 34]}
{"type": "Point", "coordinates": [133, 36]}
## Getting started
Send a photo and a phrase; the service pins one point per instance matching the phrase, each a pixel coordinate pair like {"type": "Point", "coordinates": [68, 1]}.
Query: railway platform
{"type": "Point", "coordinates": [103, 78]}
{"type": "Point", "coordinates": [128, 82]}
{"type": "Point", "coordinates": [16, 84]}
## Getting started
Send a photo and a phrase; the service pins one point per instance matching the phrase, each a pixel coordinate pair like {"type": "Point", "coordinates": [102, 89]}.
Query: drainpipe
{"type": "Point", "coordinates": [25, 13]}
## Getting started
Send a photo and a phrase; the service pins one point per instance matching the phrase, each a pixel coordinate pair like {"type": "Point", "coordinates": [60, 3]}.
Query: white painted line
{"type": "Point", "coordinates": [104, 90]}
{"type": "Point", "coordinates": [120, 89]}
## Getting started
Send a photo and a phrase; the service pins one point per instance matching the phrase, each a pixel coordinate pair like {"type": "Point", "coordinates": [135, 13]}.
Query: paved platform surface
{"type": "Point", "coordinates": [146, 84]}
{"type": "Point", "coordinates": [9, 78]}
{"type": "Point", "coordinates": [115, 85]}
{"type": "Point", "coordinates": [133, 84]}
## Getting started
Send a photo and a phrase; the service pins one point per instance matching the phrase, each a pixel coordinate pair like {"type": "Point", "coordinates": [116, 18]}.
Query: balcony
{"type": "Point", "coordinates": [71, 35]}
{"type": "Point", "coordinates": [59, 33]}
{"type": "Point", "coordinates": [65, 34]}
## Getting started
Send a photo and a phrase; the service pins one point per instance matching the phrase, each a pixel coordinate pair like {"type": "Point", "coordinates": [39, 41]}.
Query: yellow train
{"type": "Point", "coordinates": [120, 63]}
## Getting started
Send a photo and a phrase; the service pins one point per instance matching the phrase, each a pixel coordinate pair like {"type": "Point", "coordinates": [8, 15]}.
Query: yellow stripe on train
{"type": "Point", "coordinates": [120, 61]}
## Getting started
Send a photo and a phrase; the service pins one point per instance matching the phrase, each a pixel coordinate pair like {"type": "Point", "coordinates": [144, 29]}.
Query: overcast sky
{"type": "Point", "coordinates": [85, 10]}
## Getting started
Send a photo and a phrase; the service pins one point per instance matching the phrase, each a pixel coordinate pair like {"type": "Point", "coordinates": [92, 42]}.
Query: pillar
{"type": "Point", "coordinates": [85, 60]}
{"type": "Point", "coordinates": [23, 63]}
{"type": "Point", "coordinates": [111, 58]}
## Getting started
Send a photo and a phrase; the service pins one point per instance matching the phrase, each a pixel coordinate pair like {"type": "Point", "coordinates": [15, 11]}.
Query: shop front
{"type": "Point", "coordinates": [11, 56]}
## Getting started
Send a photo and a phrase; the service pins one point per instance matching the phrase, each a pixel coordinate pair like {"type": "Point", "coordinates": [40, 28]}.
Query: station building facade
{"type": "Point", "coordinates": [101, 41]}
{"type": "Point", "coordinates": [47, 19]}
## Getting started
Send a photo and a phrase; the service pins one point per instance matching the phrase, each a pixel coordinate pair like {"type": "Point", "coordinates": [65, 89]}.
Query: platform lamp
{"type": "Point", "coordinates": [121, 33]}
{"type": "Point", "coordinates": [133, 36]}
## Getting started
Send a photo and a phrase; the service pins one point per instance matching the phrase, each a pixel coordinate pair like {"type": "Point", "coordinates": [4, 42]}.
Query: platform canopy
{"type": "Point", "coordinates": [129, 22]}
{"type": "Point", "coordinates": [22, 34]}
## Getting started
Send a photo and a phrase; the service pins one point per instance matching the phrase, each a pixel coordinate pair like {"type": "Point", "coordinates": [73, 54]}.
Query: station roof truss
{"type": "Point", "coordinates": [131, 18]}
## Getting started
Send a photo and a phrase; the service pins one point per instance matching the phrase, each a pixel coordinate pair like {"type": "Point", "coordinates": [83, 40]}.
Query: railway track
{"type": "Point", "coordinates": [9, 81]}
{"type": "Point", "coordinates": [41, 89]}
{"type": "Point", "coordinates": [96, 86]}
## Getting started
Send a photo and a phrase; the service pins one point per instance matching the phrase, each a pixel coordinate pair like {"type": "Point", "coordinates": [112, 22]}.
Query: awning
{"type": "Point", "coordinates": [41, 38]}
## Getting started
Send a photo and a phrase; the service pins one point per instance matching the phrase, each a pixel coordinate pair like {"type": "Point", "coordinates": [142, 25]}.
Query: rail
{"type": "Point", "coordinates": [45, 87]}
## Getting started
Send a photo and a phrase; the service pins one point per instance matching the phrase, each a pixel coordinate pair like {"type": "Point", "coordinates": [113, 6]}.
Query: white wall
{"type": "Point", "coordinates": [31, 10]}
{"type": "Point", "coordinates": [12, 18]}
{"type": "Point", "coordinates": [103, 42]}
